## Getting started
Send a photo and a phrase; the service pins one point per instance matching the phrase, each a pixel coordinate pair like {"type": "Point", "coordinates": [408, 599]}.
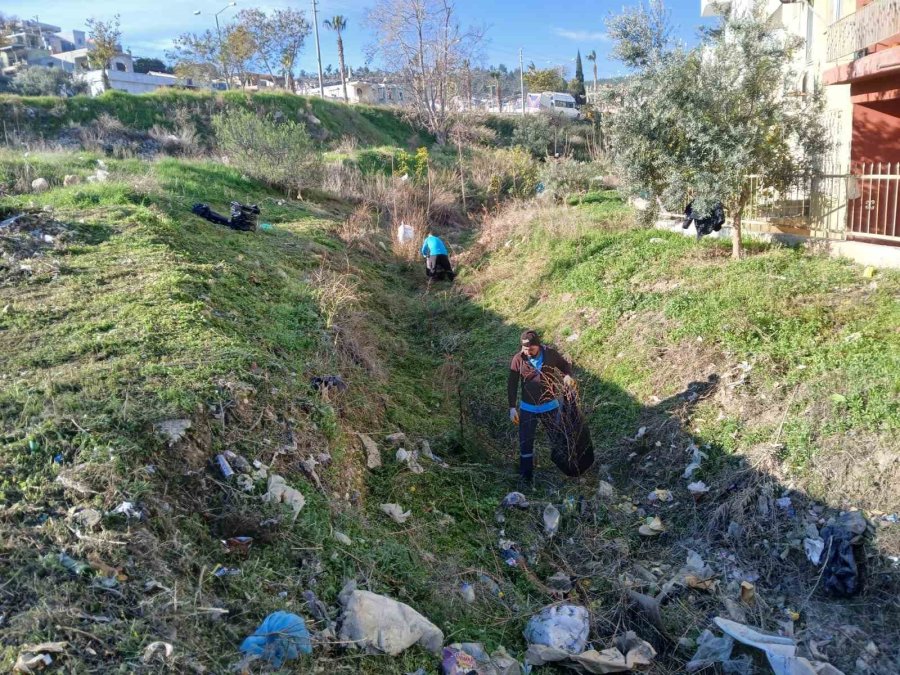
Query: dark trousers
{"type": "Point", "coordinates": [438, 267]}
{"type": "Point", "coordinates": [528, 421]}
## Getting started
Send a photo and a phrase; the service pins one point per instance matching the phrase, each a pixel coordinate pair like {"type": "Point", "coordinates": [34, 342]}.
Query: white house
{"type": "Point", "coordinates": [360, 91]}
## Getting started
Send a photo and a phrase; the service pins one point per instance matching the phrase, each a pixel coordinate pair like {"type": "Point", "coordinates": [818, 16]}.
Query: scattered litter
{"type": "Point", "coordinates": [280, 492]}
{"type": "Point", "coordinates": [224, 466]}
{"type": "Point", "coordinates": [238, 462]}
{"type": "Point", "coordinates": [697, 489]}
{"type": "Point", "coordinates": [316, 607]}
{"type": "Point", "coordinates": [328, 382]}
{"type": "Point", "coordinates": [710, 650]}
{"type": "Point", "coordinates": [158, 651]}
{"type": "Point", "coordinates": [515, 499]}
{"type": "Point", "coordinates": [630, 653]}
{"type": "Point", "coordinates": [841, 575]}
{"type": "Point", "coordinates": [783, 502]}
{"type": "Point", "coordinates": [380, 623]}
{"type": "Point", "coordinates": [869, 272]}
{"type": "Point", "coordinates": [410, 459]}
{"type": "Point", "coordinates": [735, 530]}
{"type": "Point", "coordinates": [129, 510]}
{"type": "Point", "coordinates": [396, 512]}
{"type": "Point", "coordinates": [748, 593]}
{"type": "Point", "coordinates": [652, 527]}
{"type": "Point", "coordinates": [238, 545]}
{"type": "Point", "coordinates": [490, 584]}
{"type": "Point", "coordinates": [661, 495]}
{"type": "Point", "coordinates": [814, 549]}
{"type": "Point", "coordinates": [87, 518]}
{"type": "Point", "coordinates": [426, 452]}
{"type": "Point", "coordinates": [74, 566]}
{"type": "Point", "coordinates": [281, 637]}
{"type": "Point", "coordinates": [697, 456]}
{"type": "Point", "coordinates": [551, 520]}
{"type": "Point", "coordinates": [470, 658]}
{"type": "Point", "coordinates": [560, 582]}
{"type": "Point", "coordinates": [221, 572]}
{"type": "Point", "coordinates": [37, 657]}
{"type": "Point", "coordinates": [509, 553]}
{"type": "Point", "coordinates": [343, 538]}
{"type": "Point", "coordinates": [781, 651]}
{"type": "Point", "coordinates": [467, 591]}
{"type": "Point", "coordinates": [405, 233]}
{"type": "Point", "coordinates": [373, 455]}
{"type": "Point", "coordinates": [172, 430]}
{"type": "Point", "coordinates": [563, 627]}
{"type": "Point", "coordinates": [605, 490]}
{"type": "Point", "coordinates": [639, 435]}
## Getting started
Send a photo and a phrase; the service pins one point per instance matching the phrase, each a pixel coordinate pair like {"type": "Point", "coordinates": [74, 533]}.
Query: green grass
{"type": "Point", "coordinates": [47, 116]}
{"type": "Point", "coordinates": [819, 335]}
{"type": "Point", "coordinates": [150, 313]}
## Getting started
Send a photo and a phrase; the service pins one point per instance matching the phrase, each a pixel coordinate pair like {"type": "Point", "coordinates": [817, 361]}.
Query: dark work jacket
{"type": "Point", "coordinates": [537, 387]}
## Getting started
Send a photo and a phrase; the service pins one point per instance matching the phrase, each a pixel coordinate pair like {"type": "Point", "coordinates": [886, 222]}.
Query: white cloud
{"type": "Point", "coordinates": [580, 35]}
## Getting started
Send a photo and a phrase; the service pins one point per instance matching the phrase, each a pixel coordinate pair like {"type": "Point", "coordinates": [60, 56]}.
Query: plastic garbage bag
{"type": "Point", "coordinates": [841, 575]}
{"type": "Point", "coordinates": [779, 650]}
{"type": "Point", "coordinates": [563, 627]}
{"type": "Point", "coordinates": [551, 520]}
{"type": "Point", "coordinates": [405, 233]}
{"type": "Point", "coordinates": [279, 492]}
{"type": "Point", "coordinates": [514, 499]}
{"type": "Point", "coordinates": [471, 658]}
{"type": "Point", "coordinates": [710, 650]}
{"type": "Point", "coordinates": [377, 622]}
{"type": "Point", "coordinates": [396, 512]}
{"type": "Point", "coordinates": [281, 637]}
{"type": "Point", "coordinates": [697, 457]}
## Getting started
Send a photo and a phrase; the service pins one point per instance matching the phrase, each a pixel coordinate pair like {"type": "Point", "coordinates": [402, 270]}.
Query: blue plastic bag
{"type": "Point", "coordinates": [281, 636]}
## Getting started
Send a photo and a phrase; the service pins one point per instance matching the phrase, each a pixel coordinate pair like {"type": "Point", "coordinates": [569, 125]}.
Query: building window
{"type": "Point", "coordinates": [837, 11]}
{"type": "Point", "coordinates": [399, 94]}
{"type": "Point", "coordinates": [120, 67]}
{"type": "Point", "coordinates": [381, 91]}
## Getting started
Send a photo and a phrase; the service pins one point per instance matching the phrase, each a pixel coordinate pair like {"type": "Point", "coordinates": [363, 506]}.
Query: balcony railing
{"type": "Point", "coordinates": [874, 23]}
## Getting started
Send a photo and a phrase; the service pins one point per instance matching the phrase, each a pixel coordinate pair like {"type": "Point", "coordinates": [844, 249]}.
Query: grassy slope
{"type": "Point", "coordinates": [662, 310]}
{"type": "Point", "coordinates": [47, 116]}
{"type": "Point", "coordinates": [151, 313]}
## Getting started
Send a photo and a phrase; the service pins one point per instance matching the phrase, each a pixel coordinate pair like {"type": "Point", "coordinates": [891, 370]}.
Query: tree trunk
{"type": "Point", "coordinates": [595, 82]}
{"type": "Point", "coordinates": [105, 79]}
{"type": "Point", "coordinates": [343, 69]}
{"type": "Point", "coordinates": [737, 247]}
{"type": "Point", "coordinates": [499, 97]}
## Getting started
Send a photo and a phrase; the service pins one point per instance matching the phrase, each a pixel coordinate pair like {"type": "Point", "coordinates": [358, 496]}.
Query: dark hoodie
{"type": "Point", "coordinates": [537, 387]}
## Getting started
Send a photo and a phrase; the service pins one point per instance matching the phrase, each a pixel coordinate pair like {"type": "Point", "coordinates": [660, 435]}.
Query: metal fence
{"type": "Point", "coordinates": [867, 26]}
{"type": "Point", "coordinates": [873, 189]}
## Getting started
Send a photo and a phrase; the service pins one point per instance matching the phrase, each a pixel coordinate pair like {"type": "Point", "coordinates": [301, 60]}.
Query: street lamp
{"type": "Point", "coordinates": [197, 12]}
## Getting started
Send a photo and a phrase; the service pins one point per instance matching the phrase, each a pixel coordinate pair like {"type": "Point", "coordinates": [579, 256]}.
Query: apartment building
{"type": "Point", "coordinates": [852, 50]}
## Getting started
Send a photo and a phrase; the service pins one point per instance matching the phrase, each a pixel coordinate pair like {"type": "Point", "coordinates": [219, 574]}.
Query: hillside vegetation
{"type": "Point", "coordinates": [138, 342]}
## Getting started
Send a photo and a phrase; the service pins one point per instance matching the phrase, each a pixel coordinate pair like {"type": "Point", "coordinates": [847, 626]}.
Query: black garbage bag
{"type": "Point", "coordinates": [711, 223]}
{"type": "Point", "coordinates": [207, 213]}
{"type": "Point", "coordinates": [841, 575]}
{"type": "Point", "coordinates": [572, 451]}
{"type": "Point", "coordinates": [243, 216]}
{"type": "Point", "coordinates": [325, 382]}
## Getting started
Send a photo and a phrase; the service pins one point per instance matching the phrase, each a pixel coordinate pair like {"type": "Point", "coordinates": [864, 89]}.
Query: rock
{"type": "Point", "coordinates": [852, 521]}
{"type": "Point", "coordinates": [40, 185]}
{"type": "Point", "coordinates": [280, 492]}
{"type": "Point", "coordinates": [71, 179]}
{"type": "Point", "coordinates": [373, 455]}
{"type": "Point", "coordinates": [343, 538]}
{"type": "Point", "coordinates": [396, 439]}
{"type": "Point", "coordinates": [605, 490]}
{"type": "Point", "coordinates": [560, 582]}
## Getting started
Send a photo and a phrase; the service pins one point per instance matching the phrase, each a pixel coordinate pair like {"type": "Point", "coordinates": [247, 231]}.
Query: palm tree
{"type": "Point", "coordinates": [337, 24]}
{"type": "Point", "coordinates": [592, 56]}
{"type": "Point", "coordinates": [496, 75]}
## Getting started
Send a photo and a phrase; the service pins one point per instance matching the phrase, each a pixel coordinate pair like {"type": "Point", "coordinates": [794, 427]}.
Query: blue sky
{"type": "Point", "coordinates": [549, 32]}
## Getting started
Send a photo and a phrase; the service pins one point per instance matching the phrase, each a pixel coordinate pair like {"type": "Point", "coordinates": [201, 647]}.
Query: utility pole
{"type": "Point", "coordinates": [318, 51]}
{"type": "Point", "coordinates": [522, 80]}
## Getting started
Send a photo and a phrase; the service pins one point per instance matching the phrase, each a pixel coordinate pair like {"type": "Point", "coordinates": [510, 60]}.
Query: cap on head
{"type": "Point", "coordinates": [530, 339]}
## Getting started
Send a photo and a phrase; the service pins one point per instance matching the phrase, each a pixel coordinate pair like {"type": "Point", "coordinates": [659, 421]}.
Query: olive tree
{"type": "Point", "coordinates": [696, 124]}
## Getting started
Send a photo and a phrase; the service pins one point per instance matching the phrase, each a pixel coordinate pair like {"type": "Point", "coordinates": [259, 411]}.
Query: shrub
{"type": "Point", "coordinates": [534, 134]}
{"type": "Point", "coordinates": [565, 177]}
{"type": "Point", "coordinates": [278, 153]}
{"type": "Point", "coordinates": [502, 173]}
{"type": "Point", "coordinates": [41, 81]}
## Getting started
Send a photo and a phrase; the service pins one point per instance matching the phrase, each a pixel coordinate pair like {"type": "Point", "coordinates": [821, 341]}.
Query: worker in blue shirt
{"type": "Point", "coordinates": [437, 260]}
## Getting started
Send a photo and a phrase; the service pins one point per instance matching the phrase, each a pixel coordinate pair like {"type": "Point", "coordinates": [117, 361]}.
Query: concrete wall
{"type": "Point", "coordinates": [133, 83]}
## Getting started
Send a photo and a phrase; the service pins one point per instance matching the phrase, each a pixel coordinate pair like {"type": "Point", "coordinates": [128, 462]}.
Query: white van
{"type": "Point", "coordinates": [555, 102]}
